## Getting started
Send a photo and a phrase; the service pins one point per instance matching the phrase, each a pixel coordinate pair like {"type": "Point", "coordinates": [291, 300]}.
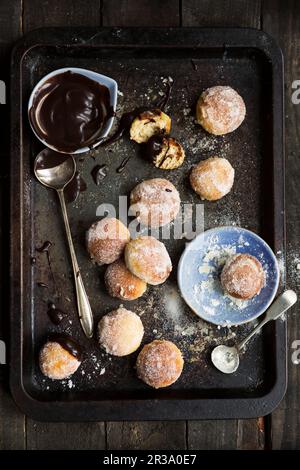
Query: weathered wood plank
{"type": "Point", "coordinates": [141, 13]}
{"type": "Point", "coordinates": [226, 435]}
{"type": "Point", "coordinates": [226, 13]}
{"type": "Point", "coordinates": [212, 435]}
{"type": "Point", "coordinates": [65, 436]}
{"type": "Point", "coordinates": [281, 20]}
{"type": "Point", "coordinates": [146, 435]}
{"type": "Point", "coordinates": [60, 13]}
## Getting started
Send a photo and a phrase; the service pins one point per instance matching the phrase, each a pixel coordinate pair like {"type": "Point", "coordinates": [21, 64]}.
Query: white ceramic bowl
{"type": "Point", "coordinates": [97, 77]}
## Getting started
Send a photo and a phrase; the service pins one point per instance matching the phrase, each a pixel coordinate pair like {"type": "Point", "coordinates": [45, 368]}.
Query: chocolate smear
{"type": "Point", "coordinates": [99, 173]}
{"type": "Point", "coordinates": [55, 314]}
{"type": "Point", "coordinates": [69, 111]}
{"type": "Point", "coordinates": [69, 344]}
{"type": "Point", "coordinates": [76, 186]}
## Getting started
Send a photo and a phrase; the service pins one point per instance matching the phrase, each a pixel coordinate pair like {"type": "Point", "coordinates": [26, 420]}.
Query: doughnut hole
{"type": "Point", "coordinates": [120, 332]}
{"type": "Point", "coordinates": [159, 364]}
{"type": "Point", "coordinates": [56, 362]}
{"type": "Point", "coordinates": [212, 178]}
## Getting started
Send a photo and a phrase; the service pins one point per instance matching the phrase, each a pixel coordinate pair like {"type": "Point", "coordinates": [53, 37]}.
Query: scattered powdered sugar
{"type": "Point", "coordinates": [70, 384]}
{"type": "Point", "coordinates": [174, 307]}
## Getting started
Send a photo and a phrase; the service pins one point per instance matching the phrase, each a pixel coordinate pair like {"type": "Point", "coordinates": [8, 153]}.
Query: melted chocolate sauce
{"type": "Point", "coordinates": [42, 284]}
{"type": "Point", "coordinates": [68, 344]}
{"type": "Point", "coordinates": [121, 168]}
{"type": "Point", "coordinates": [55, 314]}
{"type": "Point", "coordinates": [76, 186]}
{"type": "Point", "coordinates": [69, 111]}
{"type": "Point", "coordinates": [45, 248]}
{"type": "Point", "coordinates": [49, 159]}
{"type": "Point", "coordinates": [165, 99]}
{"type": "Point", "coordinates": [99, 172]}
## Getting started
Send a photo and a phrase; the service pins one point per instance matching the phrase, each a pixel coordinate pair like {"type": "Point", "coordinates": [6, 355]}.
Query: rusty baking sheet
{"type": "Point", "coordinates": [140, 61]}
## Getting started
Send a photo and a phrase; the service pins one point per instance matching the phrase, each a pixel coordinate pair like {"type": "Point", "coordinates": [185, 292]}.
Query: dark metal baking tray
{"type": "Point", "coordinates": [139, 59]}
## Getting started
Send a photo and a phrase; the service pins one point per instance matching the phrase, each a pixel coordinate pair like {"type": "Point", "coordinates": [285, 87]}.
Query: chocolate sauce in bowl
{"type": "Point", "coordinates": [69, 111]}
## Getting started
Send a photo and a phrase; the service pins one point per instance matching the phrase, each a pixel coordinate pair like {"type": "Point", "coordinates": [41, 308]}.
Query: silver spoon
{"type": "Point", "coordinates": [57, 178]}
{"type": "Point", "coordinates": [226, 358]}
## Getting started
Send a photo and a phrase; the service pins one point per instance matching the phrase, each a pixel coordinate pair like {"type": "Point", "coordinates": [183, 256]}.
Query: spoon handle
{"type": "Point", "coordinates": [281, 305]}
{"type": "Point", "coordinates": [83, 304]}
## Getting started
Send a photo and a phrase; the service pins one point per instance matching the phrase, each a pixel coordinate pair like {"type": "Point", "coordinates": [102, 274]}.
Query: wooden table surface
{"type": "Point", "coordinates": [281, 19]}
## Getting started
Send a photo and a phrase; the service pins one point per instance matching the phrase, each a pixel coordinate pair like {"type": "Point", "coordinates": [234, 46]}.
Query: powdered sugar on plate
{"type": "Point", "coordinates": [199, 275]}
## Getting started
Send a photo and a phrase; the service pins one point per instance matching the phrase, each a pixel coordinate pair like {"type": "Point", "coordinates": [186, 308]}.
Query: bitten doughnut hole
{"type": "Point", "coordinates": [242, 276]}
{"type": "Point", "coordinates": [149, 123]}
{"type": "Point", "coordinates": [213, 178]}
{"type": "Point", "coordinates": [121, 283]}
{"type": "Point", "coordinates": [148, 259]}
{"type": "Point", "coordinates": [120, 332]}
{"type": "Point", "coordinates": [155, 202]}
{"type": "Point", "coordinates": [220, 110]}
{"type": "Point", "coordinates": [106, 240]}
{"type": "Point", "coordinates": [159, 364]}
{"type": "Point", "coordinates": [56, 362]}
{"type": "Point", "coordinates": [165, 152]}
